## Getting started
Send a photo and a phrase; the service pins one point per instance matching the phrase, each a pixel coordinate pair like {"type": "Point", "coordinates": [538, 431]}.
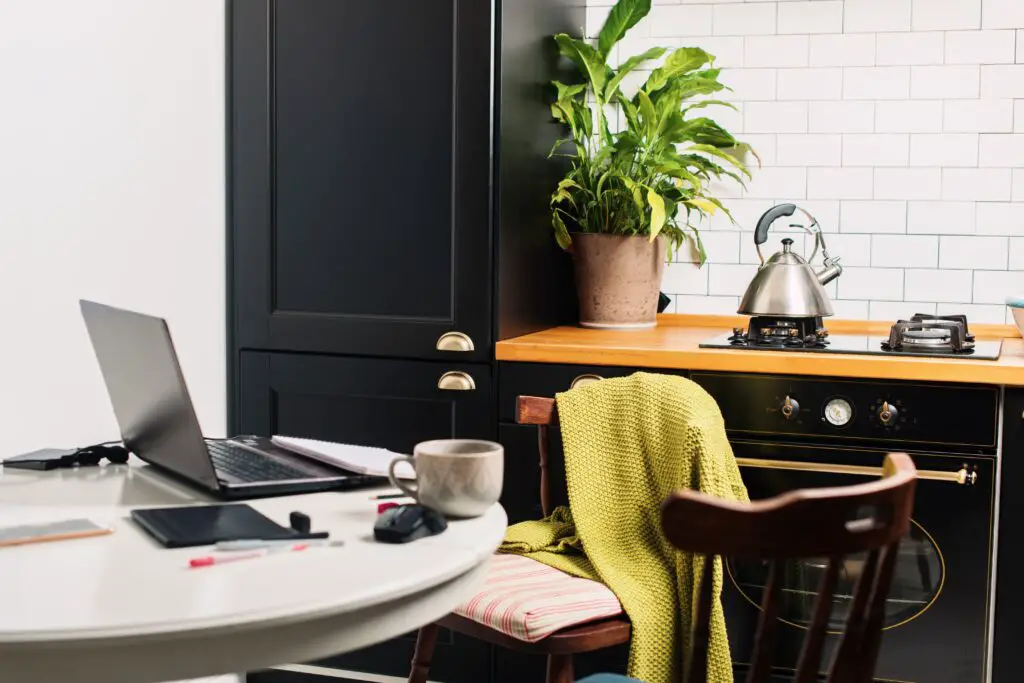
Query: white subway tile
{"type": "Point", "coordinates": [777, 183]}
{"type": "Point", "coordinates": [976, 313]}
{"type": "Point", "coordinates": [680, 20]}
{"type": "Point", "coordinates": [871, 16]}
{"type": "Point", "coordinates": [908, 183]}
{"type": "Point", "coordinates": [707, 305]}
{"type": "Point", "coordinates": [977, 184]}
{"type": "Point", "coordinates": [909, 48]}
{"type": "Point", "coordinates": [946, 82]}
{"type": "Point", "coordinates": [951, 286]}
{"type": "Point", "coordinates": [775, 117]}
{"type": "Point", "coordinates": [1017, 192]}
{"type": "Point", "coordinates": [940, 218]}
{"type": "Point", "coordinates": [726, 187]}
{"type": "Point", "coordinates": [938, 15]}
{"type": "Point", "coordinates": [811, 17]}
{"type": "Point", "coordinates": [904, 251]}
{"type": "Point", "coordinates": [881, 284]}
{"type": "Point", "coordinates": [748, 84]}
{"type": "Point", "coordinates": [992, 287]}
{"type": "Point", "coordinates": [727, 50]}
{"type": "Point", "coordinates": [973, 252]}
{"type": "Point", "coordinates": [1000, 80]}
{"type": "Point", "coordinates": [1020, 46]}
{"type": "Point", "coordinates": [810, 150]}
{"type": "Point", "coordinates": [595, 17]}
{"type": "Point", "coordinates": [839, 183]}
{"type": "Point", "coordinates": [850, 310]}
{"type": "Point", "coordinates": [876, 82]}
{"type": "Point", "coordinates": [729, 279]}
{"type": "Point", "coordinates": [744, 19]}
{"type": "Point", "coordinates": [843, 49]}
{"type": "Point", "coordinates": [908, 117]}
{"type": "Point", "coordinates": [1001, 150]}
{"type": "Point", "coordinates": [1018, 116]}
{"type": "Point", "coordinates": [765, 144]}
{"type": "Point", "coordinates": [720, 246]}
{"type": "Point", "coordinates": [944, 149]}
{"type": "Point", "coordinates": [825, 211]}
{"type": "Point", "coordinates": [1017, 253]}
{"type": "Point", "coordinates": [978, 116]}
{"type": "Point", "coordinates": [685, 278]}
{"type": "Point", "coordinates": [855, 250]}
{"type": "Point", "coordinates": [769, 51]}
{"type": "Point", "coordinates": [979, 47]}
{"type": "Point", "coordinates": [880, 149]}
{"type": "Point", "coordinates": [1002, 14]}
{"type": "Point", "coordinates": [873, 217]}
{"type": "Point", "coordinates": [843, 117]}
{"type": "Point", "coordinates": [810, 84]}
{"type": "Point", "coordinates": [1000, 218]}
{"type": "Point", "coordinates": [745, 212]}
{"type": "Point", "coordinates": [899, 310]}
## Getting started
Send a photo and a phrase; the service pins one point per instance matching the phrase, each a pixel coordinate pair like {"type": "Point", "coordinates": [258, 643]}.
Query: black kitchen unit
{"type": "Point", "coordinates": [388, 208]}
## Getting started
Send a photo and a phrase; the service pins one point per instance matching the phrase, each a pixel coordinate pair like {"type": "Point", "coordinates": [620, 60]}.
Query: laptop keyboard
{"type": "Point", "coordinates": [250, 467]}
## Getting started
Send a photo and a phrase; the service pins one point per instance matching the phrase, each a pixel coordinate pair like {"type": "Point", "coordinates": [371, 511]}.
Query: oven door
{"type": "Point", "coordinates": [936, 624]}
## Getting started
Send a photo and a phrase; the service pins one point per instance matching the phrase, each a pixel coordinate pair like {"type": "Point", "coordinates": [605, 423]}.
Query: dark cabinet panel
{"type": "Point", "coordinates": [1009, 606]}
{"type": "Point", "coordinates": [360, 169]}
{"type": "Point", "coordinates": [391, 404]}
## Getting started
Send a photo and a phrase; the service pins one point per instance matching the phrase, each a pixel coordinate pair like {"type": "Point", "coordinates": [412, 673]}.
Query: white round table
{"type": "Point", "coordinates": [122, 609]}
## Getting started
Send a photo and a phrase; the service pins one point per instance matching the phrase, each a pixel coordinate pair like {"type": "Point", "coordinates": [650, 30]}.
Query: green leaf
{"type": "Point", "coordinates": [586, 58]}
{"type": "Point", "coordinates": [561, 232]}
{"type": "Point", "coordinates": [638, 198]}
{"type": "Point", "coordinates": [681, 61]}
{"type": "Point", "coordinates": [649, 116]}
{"type": "Point", "coordinates": [623, 17]}
{"type": "Point", "coordinates": [710, 103]}
{"type": "Point", "coordinates": [629, 65]}
{"type": "Point", "coordinates": [566, 92]}
{"type": "Point", "coordinates": [657, 212]}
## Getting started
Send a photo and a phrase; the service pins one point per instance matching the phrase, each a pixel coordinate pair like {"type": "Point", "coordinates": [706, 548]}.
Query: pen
{"type": "Point", "coordinates": [210, 560]}
{"type": "Point", "coordinates": [389, 496]}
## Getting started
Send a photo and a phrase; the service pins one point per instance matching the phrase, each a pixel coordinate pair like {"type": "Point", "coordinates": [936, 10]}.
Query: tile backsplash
{"type": "Point", "coordinates": [898, 123]}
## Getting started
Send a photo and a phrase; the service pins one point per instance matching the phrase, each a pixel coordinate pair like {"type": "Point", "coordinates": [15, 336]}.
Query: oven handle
{"type": "Point", "coordinates": [965, 476]}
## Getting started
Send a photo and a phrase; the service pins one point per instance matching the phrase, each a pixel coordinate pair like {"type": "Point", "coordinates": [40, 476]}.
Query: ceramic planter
{"type": "Point", "coordinates": [618, 279]}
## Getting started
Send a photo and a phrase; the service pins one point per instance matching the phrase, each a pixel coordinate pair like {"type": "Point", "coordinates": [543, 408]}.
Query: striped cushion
{"type": "Point", "coordinates": [529, 601]}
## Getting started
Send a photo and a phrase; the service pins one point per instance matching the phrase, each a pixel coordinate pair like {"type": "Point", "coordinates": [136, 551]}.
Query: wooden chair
{"type": "Point", "coordinates": [830, 522]}
{"type": "Point", "coordinates": [561, 645]}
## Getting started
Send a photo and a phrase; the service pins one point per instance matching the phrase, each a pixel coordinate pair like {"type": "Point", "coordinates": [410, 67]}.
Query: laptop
{"type": "Point", "coordinates": [158, 422]}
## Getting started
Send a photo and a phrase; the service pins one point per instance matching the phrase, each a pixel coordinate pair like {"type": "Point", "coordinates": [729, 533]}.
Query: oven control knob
{"type": "Point", "coordinates": [887, 414]}
{"type": "Point", "coordinates": [790, 408]}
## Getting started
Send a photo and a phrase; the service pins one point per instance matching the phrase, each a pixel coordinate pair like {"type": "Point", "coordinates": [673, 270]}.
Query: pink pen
{"type": "Point", "coordinates": [210, 560]}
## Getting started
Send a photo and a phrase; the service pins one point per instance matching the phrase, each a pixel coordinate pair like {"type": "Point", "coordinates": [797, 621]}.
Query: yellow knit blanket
{"type": "Point", "coordinates": [629, 442]}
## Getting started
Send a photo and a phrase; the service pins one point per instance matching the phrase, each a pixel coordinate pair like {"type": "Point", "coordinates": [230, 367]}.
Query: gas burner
{"type": "Point", "coordinates": [942, 334]}
{"type": "Point", "coordinates": [777, 333]}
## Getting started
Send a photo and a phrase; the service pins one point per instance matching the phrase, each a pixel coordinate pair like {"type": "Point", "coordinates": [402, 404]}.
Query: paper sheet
{"type": "Point", "coordinates": [360, 459]}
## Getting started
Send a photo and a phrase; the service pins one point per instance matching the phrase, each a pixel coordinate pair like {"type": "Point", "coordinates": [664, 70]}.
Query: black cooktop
{"type": "Point", "coordinates": [864, 345]}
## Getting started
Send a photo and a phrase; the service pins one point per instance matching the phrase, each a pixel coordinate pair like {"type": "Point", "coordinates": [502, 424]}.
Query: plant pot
{"type": "Point", "coordinates": [618, 279]}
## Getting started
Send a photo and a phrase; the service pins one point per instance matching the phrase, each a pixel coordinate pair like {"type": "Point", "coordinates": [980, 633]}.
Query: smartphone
{"type": "Point", "coordinates": [52, 531]}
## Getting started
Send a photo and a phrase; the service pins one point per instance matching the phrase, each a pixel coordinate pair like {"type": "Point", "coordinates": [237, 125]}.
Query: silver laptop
{"type": "Point", "coordinates": [158, 422]}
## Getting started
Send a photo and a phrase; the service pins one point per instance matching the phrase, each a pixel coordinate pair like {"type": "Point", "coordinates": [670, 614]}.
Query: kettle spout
{"type": "Point", "coordinates": [831, 271]}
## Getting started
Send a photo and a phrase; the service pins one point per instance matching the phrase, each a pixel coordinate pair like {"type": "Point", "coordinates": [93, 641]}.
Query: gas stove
{"type": "Point", "coordinates": [923, 335]}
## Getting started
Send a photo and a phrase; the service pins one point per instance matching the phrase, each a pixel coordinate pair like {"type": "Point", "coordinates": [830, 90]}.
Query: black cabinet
{"type": "Point", "coordinates": [391, 404]}
{"type": "Point", "coordinates": [1009, 606]}
{"type": "Point", "coordinates": [361, 176]}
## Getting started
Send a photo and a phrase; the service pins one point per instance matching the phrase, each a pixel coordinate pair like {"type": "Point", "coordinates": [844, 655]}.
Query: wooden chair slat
{"type": "Point", "coordinates": [810, 656]}
{"type": "Point", "coordinates": [767, 625]}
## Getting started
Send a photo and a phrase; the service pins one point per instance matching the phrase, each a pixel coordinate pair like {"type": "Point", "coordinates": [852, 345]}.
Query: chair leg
{"type": "Point", "coordinates": [426, 639]}
{"type": "Point", "coordinates": [560, 669]}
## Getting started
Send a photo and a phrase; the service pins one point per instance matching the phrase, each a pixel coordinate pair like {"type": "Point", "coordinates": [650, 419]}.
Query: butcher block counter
{"type": "Point", "coordinates": [674, 344]}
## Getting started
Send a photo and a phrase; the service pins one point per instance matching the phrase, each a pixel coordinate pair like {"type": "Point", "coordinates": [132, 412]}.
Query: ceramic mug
{"type": "Point", "coordinates": [456, 477]}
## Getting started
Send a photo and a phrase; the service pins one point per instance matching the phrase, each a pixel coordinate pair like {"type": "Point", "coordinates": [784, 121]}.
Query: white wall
{"type": "Point", "coordinates": [111, 188]}
{"type": "Point", "coordinates": [898, 123]}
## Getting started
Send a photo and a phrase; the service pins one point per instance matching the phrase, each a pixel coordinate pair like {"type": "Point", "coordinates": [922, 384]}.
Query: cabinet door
{"type": "Point", "coordinates": [391, 404]}
{"type": "Point", "coordinates": [360, 175]}
{"type": "Point", "coordinates": [1009, 601]}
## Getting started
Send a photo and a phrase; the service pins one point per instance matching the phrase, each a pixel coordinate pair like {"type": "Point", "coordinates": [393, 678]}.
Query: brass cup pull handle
{"type": "Point", "coordinates": [965, 476]}
{"type": "Point", "coordinates": [585, 379]}
{"type": "Point", "coordinates": [456, 381]}
{"type": "Point", "coordinates": [455, 341]}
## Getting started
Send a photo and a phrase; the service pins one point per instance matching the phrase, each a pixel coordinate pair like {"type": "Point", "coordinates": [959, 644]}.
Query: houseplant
{"type": "Point", "coordinates": [632, 194]}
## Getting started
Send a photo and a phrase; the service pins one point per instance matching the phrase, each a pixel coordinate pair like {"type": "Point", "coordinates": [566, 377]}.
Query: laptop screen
{"type": "Point", "coordinates": [147, 390]}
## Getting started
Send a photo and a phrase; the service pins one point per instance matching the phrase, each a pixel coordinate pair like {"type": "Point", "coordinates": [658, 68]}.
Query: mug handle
{"type": "Point", "coordinates": [406, 488]}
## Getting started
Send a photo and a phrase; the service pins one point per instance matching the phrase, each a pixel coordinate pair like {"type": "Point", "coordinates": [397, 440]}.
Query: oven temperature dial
{"type": "Point", "coordinates": [887, 414]}
{"type": "Point", "coordinates": [838, 412]}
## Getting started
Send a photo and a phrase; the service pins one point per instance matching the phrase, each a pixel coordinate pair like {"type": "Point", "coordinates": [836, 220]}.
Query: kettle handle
{"type": "Point", "coordinates": [769, 217]}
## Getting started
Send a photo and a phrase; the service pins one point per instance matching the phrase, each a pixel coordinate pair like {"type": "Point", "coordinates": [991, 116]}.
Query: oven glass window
{"type": "Point", "coordinates": [917, 582]}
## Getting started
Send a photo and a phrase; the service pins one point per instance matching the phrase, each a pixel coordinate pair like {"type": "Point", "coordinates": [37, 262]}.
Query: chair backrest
{"type": "Point", "coordinates": [868, 518]}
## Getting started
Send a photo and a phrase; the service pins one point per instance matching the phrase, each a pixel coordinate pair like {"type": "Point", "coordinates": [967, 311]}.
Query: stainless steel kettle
{"type": "Point", "coordinates": [786, 285]}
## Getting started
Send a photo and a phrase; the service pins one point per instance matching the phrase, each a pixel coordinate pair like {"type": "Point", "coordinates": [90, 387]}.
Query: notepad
{"type": "Point", "coordinates": [358, 459]}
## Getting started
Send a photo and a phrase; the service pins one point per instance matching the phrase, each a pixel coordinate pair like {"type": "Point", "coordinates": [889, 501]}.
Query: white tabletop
{"type": "Point", "coordinates": [122, 608]}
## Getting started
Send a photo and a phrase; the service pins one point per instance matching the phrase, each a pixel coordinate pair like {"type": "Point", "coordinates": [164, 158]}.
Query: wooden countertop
{"type": "Point", "coordinates": [674, 344]}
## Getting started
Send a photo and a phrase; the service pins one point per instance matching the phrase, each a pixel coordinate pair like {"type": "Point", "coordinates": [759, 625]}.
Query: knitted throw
{"type": "Point", "coordinates": [629, 442]}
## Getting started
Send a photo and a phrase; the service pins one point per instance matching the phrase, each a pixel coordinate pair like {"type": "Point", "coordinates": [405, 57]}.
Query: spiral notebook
{"type": "Point", "coordinates": [358, 459]}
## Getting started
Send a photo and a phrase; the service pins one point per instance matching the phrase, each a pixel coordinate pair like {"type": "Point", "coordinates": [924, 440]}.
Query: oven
{"type": "Point", "coordinates": [798, 432]}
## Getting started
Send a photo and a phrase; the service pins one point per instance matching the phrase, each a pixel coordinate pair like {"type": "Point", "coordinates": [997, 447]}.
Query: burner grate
{"type": "Point", "coordinates": [948, 333]}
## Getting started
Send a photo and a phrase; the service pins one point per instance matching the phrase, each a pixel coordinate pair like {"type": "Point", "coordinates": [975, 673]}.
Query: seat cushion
{"type": "Point", "coordinates": [529, 601]}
